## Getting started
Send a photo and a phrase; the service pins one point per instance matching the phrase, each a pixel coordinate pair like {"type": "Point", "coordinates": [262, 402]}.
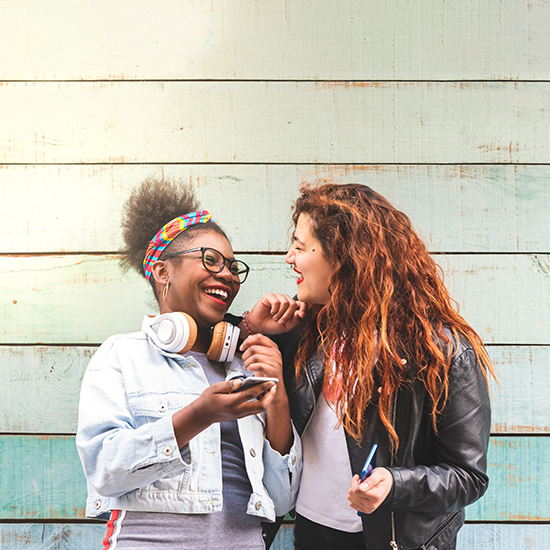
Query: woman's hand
{"type": "Point", "coordinates": [367, 496]}
{"type": "Point", "coordinates": [262, 357]}
{"type": "Point", "coordinates": [275, 313]}
{"type": "Point", "coordinates": [218, 403]}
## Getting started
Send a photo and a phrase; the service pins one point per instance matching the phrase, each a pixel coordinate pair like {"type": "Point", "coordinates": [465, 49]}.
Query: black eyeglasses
{"type": "Point", "coordinates": [215, 261]}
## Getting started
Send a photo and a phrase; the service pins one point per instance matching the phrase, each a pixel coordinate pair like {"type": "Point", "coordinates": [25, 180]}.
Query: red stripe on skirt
{"type": "Point", "coordinates": [110, 529]}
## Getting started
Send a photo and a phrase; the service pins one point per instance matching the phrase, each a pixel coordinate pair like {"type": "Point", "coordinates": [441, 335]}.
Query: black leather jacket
{"type": "Point", "coordinates": [434, 477]}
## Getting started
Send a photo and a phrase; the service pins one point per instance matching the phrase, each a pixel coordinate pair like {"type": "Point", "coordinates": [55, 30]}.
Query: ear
{"type": "Point", "coordinates": [159, 272]}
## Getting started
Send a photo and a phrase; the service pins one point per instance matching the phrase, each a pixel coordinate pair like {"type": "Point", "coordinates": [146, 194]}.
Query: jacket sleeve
{"type": "Point", "coordinates": [457, 475]}
{"type": "Point", "coordinates": [116, 455]}
{"type": "Point", "coordinates": [282, 474]}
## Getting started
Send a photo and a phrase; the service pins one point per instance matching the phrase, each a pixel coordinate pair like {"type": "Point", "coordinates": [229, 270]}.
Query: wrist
{"type": "Point", "coordinates": [246, 324]}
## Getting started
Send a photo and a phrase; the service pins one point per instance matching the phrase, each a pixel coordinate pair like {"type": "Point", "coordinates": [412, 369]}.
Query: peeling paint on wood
{"type": "Point", "coordinates": [40, 388]}
{"type": "Point", "coordinates": [220, 122]}
{"type": "Point", "coordinates": [455, 208]}
{"type": "Point", "coordinates": [44, 479]}
{"type": "Point", "coordinates": [353, 40]}
{"type": "Point", "coordinates": [85, 299]}
{"type": "Point", "coordinates": [41, 478]}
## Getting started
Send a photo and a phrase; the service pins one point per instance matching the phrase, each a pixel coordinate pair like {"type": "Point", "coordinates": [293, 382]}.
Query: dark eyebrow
{"type": "Point", "coordinates": [294, 238]}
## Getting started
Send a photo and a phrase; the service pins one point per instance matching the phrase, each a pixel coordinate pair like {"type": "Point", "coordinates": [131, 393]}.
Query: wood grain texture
{"type": "Point", "coordinates": [273, 39]}
{"type": "Point", "coordinates": [51, 536]}
{"type": "Point", "coordinates": [479, 208]}
{"type": "Point", "coordinates": [519, 469]}
{"type": "Point", "coordinates": [520, 403]}
{"type": "Point", "coordinates": [290, 122]}
{"type": "Point", "coordinates": [40, 388]}
{"type": "Point", "coordinates": [41, 385]}
{"type": "Point", "coordinates": [36, 536]}
{"type": "Point", "coordinates": [41, 478]}
{"type": "Point", "coordinates": [84, 299]}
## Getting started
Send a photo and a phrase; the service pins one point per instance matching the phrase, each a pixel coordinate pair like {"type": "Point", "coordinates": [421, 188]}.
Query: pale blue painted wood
{"type": "Point", "coordinates": [40, 388]}
{"type": "Point", "coordinates": [519, 472]}
{"type": "Point", "coordinates": [85, 299]}
{"type": "Point", "coordinates": [38, 536]}
{"type": "Point", "coordinates": [41, 478]}
{"type": "Point", "coordinates": [521, 403]}
{"type": "Point", "coordinates": [498, 536]}
{"type": "Point", "coordinates": [41, 384]}
{"type": "Point", "coordinates": [479, 208]}
{"type": "Point", "coordinates": [51, 536]}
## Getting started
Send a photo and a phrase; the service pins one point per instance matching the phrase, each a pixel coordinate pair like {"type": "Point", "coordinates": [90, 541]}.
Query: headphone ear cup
{"type": "Point", "coordinates": [191, 338]}
{"type": "Point", "coordinates": [174, 332]}
{"type": "Point", "coordinates": [224, 342]}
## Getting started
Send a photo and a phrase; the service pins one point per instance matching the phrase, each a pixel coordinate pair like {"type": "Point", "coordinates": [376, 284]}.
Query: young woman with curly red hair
{"type": "Point", "coordinates": [380, 357]}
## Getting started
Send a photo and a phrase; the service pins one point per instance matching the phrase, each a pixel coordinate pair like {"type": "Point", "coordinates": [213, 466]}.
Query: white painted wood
{"type": "Point", "coordinates": [289, 122]}
{"type": "Point", "coordinates": [84, 299]}
{"type": "Point", "coordinates": [275, 39]}
{"type": "Point", "coordinates": [476, 208]}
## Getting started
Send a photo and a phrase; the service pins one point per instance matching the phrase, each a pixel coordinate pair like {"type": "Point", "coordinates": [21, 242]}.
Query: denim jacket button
{"type": "Point", "coordinates": [253, 453]}
{"type": "Point", "coordinates": [167, 450]}
{"type": "Point", "coordinates": [294, 460]}
{"type": "Point", "coordinates": [258, 505]}
{"type": "Point", "coordinates": [162, 407]}
{"type": "Point", "coordinates": [97, 504]}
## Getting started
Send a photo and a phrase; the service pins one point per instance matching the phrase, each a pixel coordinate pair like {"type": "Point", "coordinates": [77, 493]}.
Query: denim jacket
{"type": "Point", "coordinates": [128, 449]}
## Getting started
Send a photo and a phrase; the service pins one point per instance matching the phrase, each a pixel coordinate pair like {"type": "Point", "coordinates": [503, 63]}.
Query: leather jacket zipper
{"type": "Point", "coordinates": [393, 544]}
{"type": "Point", "coordinates": [314, 399]}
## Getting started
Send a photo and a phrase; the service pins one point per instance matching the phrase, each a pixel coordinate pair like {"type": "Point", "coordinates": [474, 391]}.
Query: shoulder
{"type": "Point", "coordinates": [128, 345]}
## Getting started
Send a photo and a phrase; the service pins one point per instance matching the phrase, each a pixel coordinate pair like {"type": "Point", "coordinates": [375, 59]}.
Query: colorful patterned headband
{"type": "Point", "coordinates": [168, 233]}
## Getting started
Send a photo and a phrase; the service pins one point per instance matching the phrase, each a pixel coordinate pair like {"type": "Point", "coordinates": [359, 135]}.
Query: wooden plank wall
{"type": "Point", "coordinates": [444, 107]}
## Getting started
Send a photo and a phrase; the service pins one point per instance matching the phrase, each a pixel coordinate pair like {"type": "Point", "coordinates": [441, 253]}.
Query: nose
{"type": "Point", "coordinates": [225, 274]}
{"type": "Point", "coordinates": [289, 258]}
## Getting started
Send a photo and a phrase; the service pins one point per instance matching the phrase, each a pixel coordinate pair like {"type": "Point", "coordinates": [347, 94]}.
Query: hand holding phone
{"type": "Point", "coordinates": [252, 381]}
{"type": "Point", "coordinates": [369, 466]}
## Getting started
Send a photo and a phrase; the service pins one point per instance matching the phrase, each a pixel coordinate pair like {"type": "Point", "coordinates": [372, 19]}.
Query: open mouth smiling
{"type": "Point", "coordinates": [218, 293]}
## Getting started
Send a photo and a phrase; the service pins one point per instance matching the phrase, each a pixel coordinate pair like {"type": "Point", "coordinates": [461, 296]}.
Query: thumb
{"type": "Point", "coordinates": [374, 479]}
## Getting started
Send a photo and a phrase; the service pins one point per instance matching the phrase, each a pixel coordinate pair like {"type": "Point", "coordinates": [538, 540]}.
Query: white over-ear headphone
{"type": "Point", "coordinates": [176, 332]}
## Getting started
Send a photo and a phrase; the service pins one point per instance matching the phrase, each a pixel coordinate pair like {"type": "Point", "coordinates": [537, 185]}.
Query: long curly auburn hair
{"type": "Point", "coordinates": [388, 310]}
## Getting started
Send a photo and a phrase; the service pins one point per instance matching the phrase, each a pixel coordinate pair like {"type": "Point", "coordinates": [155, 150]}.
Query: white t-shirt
{"type": "Point", "coordinates": [326, 475]}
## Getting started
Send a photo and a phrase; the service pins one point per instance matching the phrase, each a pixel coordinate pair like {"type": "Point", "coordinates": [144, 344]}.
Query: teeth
{"type": "Point", "coordinates": [217, 292]}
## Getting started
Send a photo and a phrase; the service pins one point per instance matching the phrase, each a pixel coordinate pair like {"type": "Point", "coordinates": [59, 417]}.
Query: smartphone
{"type": "Point", "coordinates": [251, 381]}
{"type": "Point", "coordinates": [370, 465]}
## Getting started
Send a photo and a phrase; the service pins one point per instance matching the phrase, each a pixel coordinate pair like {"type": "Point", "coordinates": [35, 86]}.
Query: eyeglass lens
{"type": "Point", "coordinates": [214, 262]}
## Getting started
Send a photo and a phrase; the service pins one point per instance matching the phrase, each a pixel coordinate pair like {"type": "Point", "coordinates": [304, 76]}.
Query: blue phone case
{"type": "Point", "coordinates": [370, 465]}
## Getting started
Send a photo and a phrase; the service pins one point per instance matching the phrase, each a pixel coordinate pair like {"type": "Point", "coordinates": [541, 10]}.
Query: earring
{"type": "Point", "coordinates": [165, 291]}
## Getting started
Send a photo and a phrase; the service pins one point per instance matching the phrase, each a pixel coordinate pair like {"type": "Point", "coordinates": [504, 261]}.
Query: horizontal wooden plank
{"type": "Point", "coordinates": [292, 122]}
{"type": "Point", "coordinates": [41, 384]}
{"type": "Point", "coordinates": [520, 403]}
{"type": "Point", "coordinates": [82, 536]}
{"type": "Point", "coordinates": [498, 536]}
{"type": "Point", "coordinates": [479, 208]}
{"type": "Point", "coordinates": [84, 299]}
{"type": "Point", "coordinates": [40, 388]}
{"type": "Point", "coordinates": [519, 471]}
{"type": "Point", "coordinates": [42, 479]}
{"type": "Point", "coordinates": [494, 39]}
{"type": "Point", "coordinates": [51, 536]}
